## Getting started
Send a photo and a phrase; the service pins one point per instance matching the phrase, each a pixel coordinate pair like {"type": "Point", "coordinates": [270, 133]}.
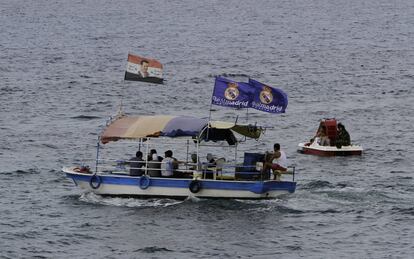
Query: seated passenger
{"type": "Point", "coordinates": [169, 165]}
{"type": "Point", "coordinates": [154, 166]}
{"type": "Point", "coordinates": [342, 138]}
{"type": "Point", "coordinates": [135, 164]}
{"type": "Point", "coordinates": [210, 160]}
{"type": "Point", "coordinates": [276, 161]}
{"type": "Point", "coordinates": [152, 157]}
{"type": "Point", "coordinates": [321, 137]}
{"type": "Point", "coordinates": [196, 162]}
{"type": "Point", "coordinates": [211, 163]}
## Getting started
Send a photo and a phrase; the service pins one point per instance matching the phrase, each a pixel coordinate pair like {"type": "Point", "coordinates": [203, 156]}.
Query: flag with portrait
{"type": "Point", "coordinates": [144, 69]}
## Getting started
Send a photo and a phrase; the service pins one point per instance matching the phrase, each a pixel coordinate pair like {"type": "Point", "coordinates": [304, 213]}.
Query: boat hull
{"type": "Point", "coordinates": [318, 150]}
{"type": "Point", "coordinates": [124, 185]}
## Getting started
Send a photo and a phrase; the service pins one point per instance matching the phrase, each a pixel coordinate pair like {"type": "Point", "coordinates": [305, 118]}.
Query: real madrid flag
{"type": "Point", "coordinates": [143, 69]}
{"type": "Point", "coordinates": [231, 94]}
{"type": "Point", "coordinates": [268, 99]}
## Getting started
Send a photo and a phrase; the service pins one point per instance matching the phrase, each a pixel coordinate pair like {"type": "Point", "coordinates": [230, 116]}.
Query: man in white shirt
{"type": "Point", "coordinates": [279, 160]}
{"type": "Point", "coordinates": [275, 162]}
{"type": "Point", "coordinates": [168, 165]}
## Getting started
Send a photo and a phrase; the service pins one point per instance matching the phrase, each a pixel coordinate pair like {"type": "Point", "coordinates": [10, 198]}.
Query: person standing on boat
{"type": "Point", "coordinates": [135, 164]}
{"type": "Point", "coordinates": [342, 138]}
{"type": "Point", "coordinates": [169, 165]}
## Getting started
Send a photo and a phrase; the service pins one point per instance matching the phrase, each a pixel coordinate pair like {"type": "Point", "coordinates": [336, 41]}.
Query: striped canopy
{"type": "Point", "coordinates": [136, 127]}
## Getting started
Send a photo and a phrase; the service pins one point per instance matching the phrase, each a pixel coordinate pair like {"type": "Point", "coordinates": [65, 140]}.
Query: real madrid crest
{"type": "Point", "coordinates": [232, 91]}
{"type": "Point", "coordinates": [266, 95]}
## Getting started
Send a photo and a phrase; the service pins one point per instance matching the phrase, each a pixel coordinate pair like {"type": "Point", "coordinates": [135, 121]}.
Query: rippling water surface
{"type": "Point", "coordinates": [61, 76]}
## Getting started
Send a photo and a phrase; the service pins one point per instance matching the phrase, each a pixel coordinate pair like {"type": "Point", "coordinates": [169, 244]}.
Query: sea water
{"type": "Point", "coordinates": [61, 76]}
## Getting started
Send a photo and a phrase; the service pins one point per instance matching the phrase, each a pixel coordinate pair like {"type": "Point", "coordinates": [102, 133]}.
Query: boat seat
{"type": "Point", "coordinates": [219, 174]}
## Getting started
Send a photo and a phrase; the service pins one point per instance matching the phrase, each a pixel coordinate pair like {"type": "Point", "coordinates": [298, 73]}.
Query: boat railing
{"type": "Point", "coordinates": [224, 171]}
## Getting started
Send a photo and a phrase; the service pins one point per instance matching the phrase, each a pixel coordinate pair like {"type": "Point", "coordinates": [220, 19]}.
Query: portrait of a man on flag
{"type": "Point", "coordinates": [143, 69]}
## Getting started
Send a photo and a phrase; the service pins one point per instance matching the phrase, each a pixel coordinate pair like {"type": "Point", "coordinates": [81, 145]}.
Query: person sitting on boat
{"type": "Point", "coordinates": [196, 162]}
{"type": "Point", "coordinates": [154, 166]}
{"type": "Point", "coordinates": [169, 165]}
{"type": "Point", "coordinates": [276, 161]}
{"type": "Point", "coordinates": [153, 155]}
{"type": "Point", "coordinates": [136, 163]}
{"type": "Point", "coordinates": [321, 137]}
{"type": "Point", "coordinates": [342, 138]}
{"type": "Point", "coordinates": [210, 160]}
{"type": "Point", "coordinates": [211, 163]}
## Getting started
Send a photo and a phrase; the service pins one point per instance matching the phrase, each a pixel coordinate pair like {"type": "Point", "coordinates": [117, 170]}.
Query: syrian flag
{"type": "Point", "coordinates": [143, 69]}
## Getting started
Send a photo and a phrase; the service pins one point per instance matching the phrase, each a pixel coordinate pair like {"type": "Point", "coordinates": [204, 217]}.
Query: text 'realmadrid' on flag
{"type": "Point", "coordinates": [253, 94]}
{"type": "Point", "coordinates": [143, 69]}
{"type": "Point", "coordinates": [268, 99]}
{"type": "Point", "coordinates": [230, 93]}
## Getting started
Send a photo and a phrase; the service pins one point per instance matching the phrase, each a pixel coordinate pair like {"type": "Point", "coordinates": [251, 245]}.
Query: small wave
{"type": "Point", "coordinates": [29, 171]}
{"type": "Point", "coordinates": [153, 249]}
{"type": "Point", "coordinates": [404, 211]}
{"type": "Point", "coordinates": [328, 211]}
{"type": "Point", "coordinates": [127, 202]}
{"type": "Point", "coordinates": [317, 185]}
{"type": "Point", "coordinates": [50, 146]}
{"type": "Point", "coordinates": [85, 117]}
{"type": "Point", "coordinates": [230, 75]}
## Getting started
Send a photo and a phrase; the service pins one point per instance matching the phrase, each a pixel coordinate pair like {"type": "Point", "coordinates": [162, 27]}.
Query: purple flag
{"type": "Point", "coordinates": [268, 99]}
{"type": "Point", "coordinates": [231, 94]}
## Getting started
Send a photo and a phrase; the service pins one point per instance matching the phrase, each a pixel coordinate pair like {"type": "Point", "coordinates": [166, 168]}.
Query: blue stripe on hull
{"type": "Point", "coordinates": [257, 187]}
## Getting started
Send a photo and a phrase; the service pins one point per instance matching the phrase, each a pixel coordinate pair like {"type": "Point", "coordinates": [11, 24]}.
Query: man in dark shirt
{"type": "Point", "coordinates": [135, 164]}
{"type": "Point", "coordinates": [343, 138]}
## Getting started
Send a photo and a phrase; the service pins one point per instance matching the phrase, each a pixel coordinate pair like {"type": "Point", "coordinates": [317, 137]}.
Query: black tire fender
{"type": "Point", "coordinates": [194, 186]}
{"type": "Point", "coordinates": [144, 182]}
{"type": "Point", "coordinates": [97, 179]}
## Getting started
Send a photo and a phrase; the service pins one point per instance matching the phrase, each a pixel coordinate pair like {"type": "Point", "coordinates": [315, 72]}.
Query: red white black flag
{"type": "Point", "coordinates": [143, 69]}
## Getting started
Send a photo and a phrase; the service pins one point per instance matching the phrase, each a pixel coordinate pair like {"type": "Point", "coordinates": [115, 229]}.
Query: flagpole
{"type": "Point", "coordinates": [211, 106]}
{"type": "Point", "coordinates": [120, 108]}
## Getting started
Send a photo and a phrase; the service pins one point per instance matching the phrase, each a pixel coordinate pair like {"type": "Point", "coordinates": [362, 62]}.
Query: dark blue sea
{"type": "Point", "coordinates": [62, 65]}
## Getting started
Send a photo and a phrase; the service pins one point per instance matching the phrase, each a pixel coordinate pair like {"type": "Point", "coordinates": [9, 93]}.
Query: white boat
{"type": "Point", "coordinates": [334, 148]}
{"type": "Point", "coordinates": [185, 135]}
{"type": "Point", "coordinates": [316, 149]}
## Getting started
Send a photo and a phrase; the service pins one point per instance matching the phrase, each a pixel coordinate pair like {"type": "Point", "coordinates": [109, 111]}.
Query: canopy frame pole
{"type": "Point", "coordinates": [146, 153]}
{"type": "Point", "coordinates": [97, 154]}
{"type": "Point", "coordinates": [235, 158]}
{"type": "Point", "coordinates": [186, 159]}
{"type": "Point", "coordinates": [211, 106]}
{"type": "Point", "coordinates": [120, 108]}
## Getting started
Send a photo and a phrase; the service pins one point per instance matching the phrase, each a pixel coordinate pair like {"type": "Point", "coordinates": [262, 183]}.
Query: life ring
{"type": "Point", "coordinates": [194, 186]}
{"type": "Point", "coordinates": [144, 182]}
{"type": "Point", "coordinates": [98, 181]}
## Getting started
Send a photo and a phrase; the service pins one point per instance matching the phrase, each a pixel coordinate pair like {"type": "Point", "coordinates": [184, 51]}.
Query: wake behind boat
{"type": "Point", "coordinates": [224, 178]}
